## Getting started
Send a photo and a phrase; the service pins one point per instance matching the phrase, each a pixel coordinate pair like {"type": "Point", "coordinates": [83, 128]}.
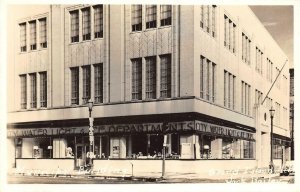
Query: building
{"type": "Point", "coordinates": [292, 112]}
{"type": "Point", "coordinates": [198, 74]}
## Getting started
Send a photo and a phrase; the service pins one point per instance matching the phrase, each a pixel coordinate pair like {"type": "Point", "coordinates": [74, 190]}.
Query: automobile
{"type": "Point", "coordinates": [287, 168]}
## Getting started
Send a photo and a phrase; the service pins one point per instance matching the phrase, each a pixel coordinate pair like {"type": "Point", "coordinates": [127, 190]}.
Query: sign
{"type": "Point", "coordinates": [172, 127]}
{"type": "Point", "coordinates": [186, 151]}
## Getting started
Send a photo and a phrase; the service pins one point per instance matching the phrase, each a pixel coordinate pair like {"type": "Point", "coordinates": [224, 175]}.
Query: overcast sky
{"type": "Point", "coordinates": [279, 21]}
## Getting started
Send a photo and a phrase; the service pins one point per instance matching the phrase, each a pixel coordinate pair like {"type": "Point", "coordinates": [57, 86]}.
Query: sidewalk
{"type": "Point", "coordinates": [227, 176]}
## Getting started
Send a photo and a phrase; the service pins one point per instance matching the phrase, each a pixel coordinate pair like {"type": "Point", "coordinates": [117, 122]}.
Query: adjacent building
{"type": "Point", "coordinates": [198, 74]}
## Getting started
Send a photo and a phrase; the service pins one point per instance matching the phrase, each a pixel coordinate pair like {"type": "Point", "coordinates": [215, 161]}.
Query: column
{"type": "Point", "coordinates": [216, 148]}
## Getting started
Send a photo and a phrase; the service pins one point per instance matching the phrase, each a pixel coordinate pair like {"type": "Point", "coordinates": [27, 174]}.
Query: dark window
{"type": "Point", "coordinates": [86, 81]}
{"type": "Point", "coordinates": [165, 15]}
{"type": "Point", "coordinates": [136, 17]}
{"type": "Point", "coordinates": [165, 76]}
{"type": "Point", "coordinates": [136, 79]}
{"type": "Point", "coordinates": [150, 16]}
{"type": "Point", "coordinates": [98, 68]}
{"type": "Point", "coordinates": [151, 77]}
{"type": "Point", "coordinates": [75, 85]}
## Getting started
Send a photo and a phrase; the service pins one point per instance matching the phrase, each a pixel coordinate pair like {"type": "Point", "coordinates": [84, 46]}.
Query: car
{"type": "Point", "coordinates": [287, 168]}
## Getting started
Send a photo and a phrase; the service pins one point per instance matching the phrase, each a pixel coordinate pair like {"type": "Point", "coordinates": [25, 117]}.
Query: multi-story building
{"type": "Point", "coordinates": [198, 74]}
{"type": "Point", "coordinates": [291, 121]}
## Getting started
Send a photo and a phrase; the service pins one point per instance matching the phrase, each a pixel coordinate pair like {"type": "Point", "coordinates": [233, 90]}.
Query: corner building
{"type": "Point", "coordinates": [198, 74]}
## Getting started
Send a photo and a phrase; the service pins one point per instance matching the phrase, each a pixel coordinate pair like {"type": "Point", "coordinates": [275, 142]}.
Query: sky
{"type": "Point", "coordinates": [279, 21]}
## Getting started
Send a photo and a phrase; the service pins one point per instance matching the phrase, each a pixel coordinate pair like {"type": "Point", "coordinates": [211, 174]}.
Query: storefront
{"type": "Point", "coordinates": [185, 140]}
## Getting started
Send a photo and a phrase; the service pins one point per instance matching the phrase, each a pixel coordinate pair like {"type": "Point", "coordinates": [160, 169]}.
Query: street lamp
{"type": "Point", "coordinates": [91, 131]}
{"type": "Point", "coordinates": [272, 113]}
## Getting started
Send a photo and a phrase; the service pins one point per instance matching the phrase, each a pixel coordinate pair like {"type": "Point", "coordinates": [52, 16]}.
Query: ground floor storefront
{"type": "Point", "coordinates": [192, 143]}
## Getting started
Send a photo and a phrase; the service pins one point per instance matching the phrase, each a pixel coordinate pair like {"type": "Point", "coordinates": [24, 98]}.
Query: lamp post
{"type": "Point", "coordinates": [271, 165]}
{"type": "Point", "coordinates": [164, 127]}
{"type": "Point", "coordinates": [91, 131]}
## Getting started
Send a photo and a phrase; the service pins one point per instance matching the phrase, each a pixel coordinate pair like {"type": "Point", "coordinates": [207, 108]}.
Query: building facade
{"type": "Point", "coordinates": [198, 74]}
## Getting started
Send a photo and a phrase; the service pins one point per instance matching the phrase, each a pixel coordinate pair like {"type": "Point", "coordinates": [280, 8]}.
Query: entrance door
{"type": "Point", "coordinates": [81, 151]}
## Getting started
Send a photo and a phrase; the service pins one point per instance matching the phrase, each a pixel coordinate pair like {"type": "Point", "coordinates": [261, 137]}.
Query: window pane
{"type": "Point", "coordinates": [43, 89]}
{"type": "Point", "coordinates": [33, 90]}
{"type": "Point", "coordinates": [136, 79]}
{"type": "Point", "coordinates": [23, 37]}
{"type": "Point", "coordinates": [32, 35]}
{"type": "Point", "coordinates": [75, 85]}
{"type": "Point", "coordinates": [74, 26]}
{"type": "Point", "coordinates": [98, 83]}
{"type": "Point", "coordinates": [98, 21]}
{"type": "Point", "coordinates": [23, 91]}
{"type": "Point", "coordinates": [165, 76]}
{"type": "Point", "coordinates": [151, 78]}
{"type": "Point", "coordinates": [43, 33]}
{"type": "Point", "coordinates": [86, 24]}
{"type": "Point", "coordinates": [136, 17]}
{"type": "Point", "coordinates": [165, 15]}
{"type": "Point", "coordinates": [86, 83]}
{"type": "Point", "coordinates": [150, 16]}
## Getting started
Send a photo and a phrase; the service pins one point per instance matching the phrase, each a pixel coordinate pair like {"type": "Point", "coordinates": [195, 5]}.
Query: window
{"type": "Point", "coordinates": [246, 49]}
{"type": "Point", "coordinates": [213, 21]}
{"type": "Point", "coordinates": [165, 15]}
{"type": "Point", "coordinates": [98, 68]}
{"type": "Point", "coordinates": [43, 89]}
{"type": "Point", "coordinates": [245, 101]}
{"type": "Point", "coordinates": [207, 22]}
{"type": "Point", "coordinates": [259, 59]}
{"type": "Point", "coordinates": [278, 81]}
{"type": "Point", "coordinates": [229, 90]}
{"type": "Point", "coordinates": [32, 25]}
{"type": "Point", "coordinates": [74, 26]}
{"type": "Point", "coordinates": [23, 37]}
{"type": "Point", "coordinates": [150, 16]}
{"type": "Point", "coordinates": [86, 24]}
{"type": "Point", "coordinates": [98, 21]}
{"type": "Point", "coordinates": [86, 81]}
{"type": "Point", "coordinates": [23, 91]}
{"type": "Point", "coordinates": [43, 33]}
{"type": "Point", "coordinates": [165, 76]}
{"type": "Point", "coordinates": [269, 70]}
{"type": "Point", "coordinates": [75, 86]}
{"type": "Point", "coordinates": [207, 79]}
{"type": "Point", "coordinates": [136, 79]}
{"type": "Point", "coordinates": [229, 34]}
{"type": "Point", "coordinates": [150, 77]}
{"type": "Point", "coordinates": [32, 90]}
{"type": "Point", "coordinates": [258, 97]}
{"type": "Point", "coordinates": [136, 17]}
{"type": "Point", "coordinates": [202, 16]}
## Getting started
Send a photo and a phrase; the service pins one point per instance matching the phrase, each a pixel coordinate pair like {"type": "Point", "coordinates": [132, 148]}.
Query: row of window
{"type": "Point", "coordinates": [86, 84]}
{"type": "Point", "coordinates": [34, 42]}
{"type": "Point", "coordinates": [87, 19]}
{"type": "Point", "coordinates": [150, 68]}
{"type": "Point", "coordinates": [33, 89]}
{"type": "Point", "coordinates": [150, 16]}
{"type": "Point", "coordinates": [208, 19]}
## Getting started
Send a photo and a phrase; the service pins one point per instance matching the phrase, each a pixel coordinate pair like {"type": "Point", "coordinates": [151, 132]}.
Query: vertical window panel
{"type": "Point", "coordinates": [43, 89]}
{"type": "Point", "coordinates": [98, 21]}
{"type": "Point", "coordinates": [151, 77]}
{"type": "Point", "coordinates": [86, 83]}
{"type": "Point", "coordinates": [23, 80]}
{"type": "Point", "coordinates": [23, 37]}
{"type": "Point", "coordinates": [43, 33]}
{"type": "Point", "coordinates": [32, 90]}
{"type": "Point", "coordinates": [136, 17]}
{"type": "Point", "coordinates": [136, 79]}
{"type": "Point", "coordinates": [32, 25]}
{"type": "Point", "coordinates": [75, 86]}
{"type": "Point", "coordinates": [74, 26]}
{"type": "Point", "coordinates": [86, 24]}
{"type": "Point", "coordinates": [150, 16]}
{"type": "Point", "coordinates": [165, 76]}
{"type": "Point", "coordinates": [98, 70]}
{"type": "Point", "coordinates": [165, 15]}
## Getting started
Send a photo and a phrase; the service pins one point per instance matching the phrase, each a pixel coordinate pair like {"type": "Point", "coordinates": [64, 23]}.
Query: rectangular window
{"type": "Point", "coordinates": [259, 59]}
{"type": "Point", "coordinates": [165, 15]}
{"type": "Point", "coordinates": [136, 17]}
{"type": "Point", "coordinates": [86, 24]}
{"type": "Point", "coordinates": [229, 90]}
{"type": "Point", "coordinates": [74, 26]}
{"type": "Point", "coordinates": [23, 37]}
{"type": "Point", "coordinates": [207, 18]}
{"type": "Point", "coordinates": [98, 21]}
{"type": "Point", "coordinates": [165, 76]}
{"type": "Point", "coordinates": [43, 89]}
{"type": "Point", "coordinates": [151, 77]}
{"type": "Point", "coordinates": [23, 91]}
{"type": "Point", "coordinates": [208, 76]}
{"type": "Point", "coordinates": [245, 101]}
{"type": "Point", "coordinates": [75, 86]}
{"type": "Point", "coordinates": [32, 25]}
{"type": "Point", "coordinates": [98, 68]}
{"type": "Point", "coordinates": [202, 77]}
{"type": "Point", "coordinates": [213, 21]}
{"type": "Point", "coordinates": [258, 96]}
{"type": "Point", "coordinates": [43, 33]}
{"type": "Point", "coordinates": [213, 82]}
{"type": "Point", "coordinates": [229, 34]}
{"type": "Point", "coordinates": [202, 16]}
{"type": "Point", "coordinates": [136, 79]}
{"type": "Point", "coordinates": [32, 90]}
{"type": "Point", "coordinates": [150, 16]}
{"type": "Point", "coordinates": [86, 81]}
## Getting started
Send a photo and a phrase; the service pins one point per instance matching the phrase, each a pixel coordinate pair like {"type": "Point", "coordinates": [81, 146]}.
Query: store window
{"type": "Point", "coordinates": [139, 145]}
